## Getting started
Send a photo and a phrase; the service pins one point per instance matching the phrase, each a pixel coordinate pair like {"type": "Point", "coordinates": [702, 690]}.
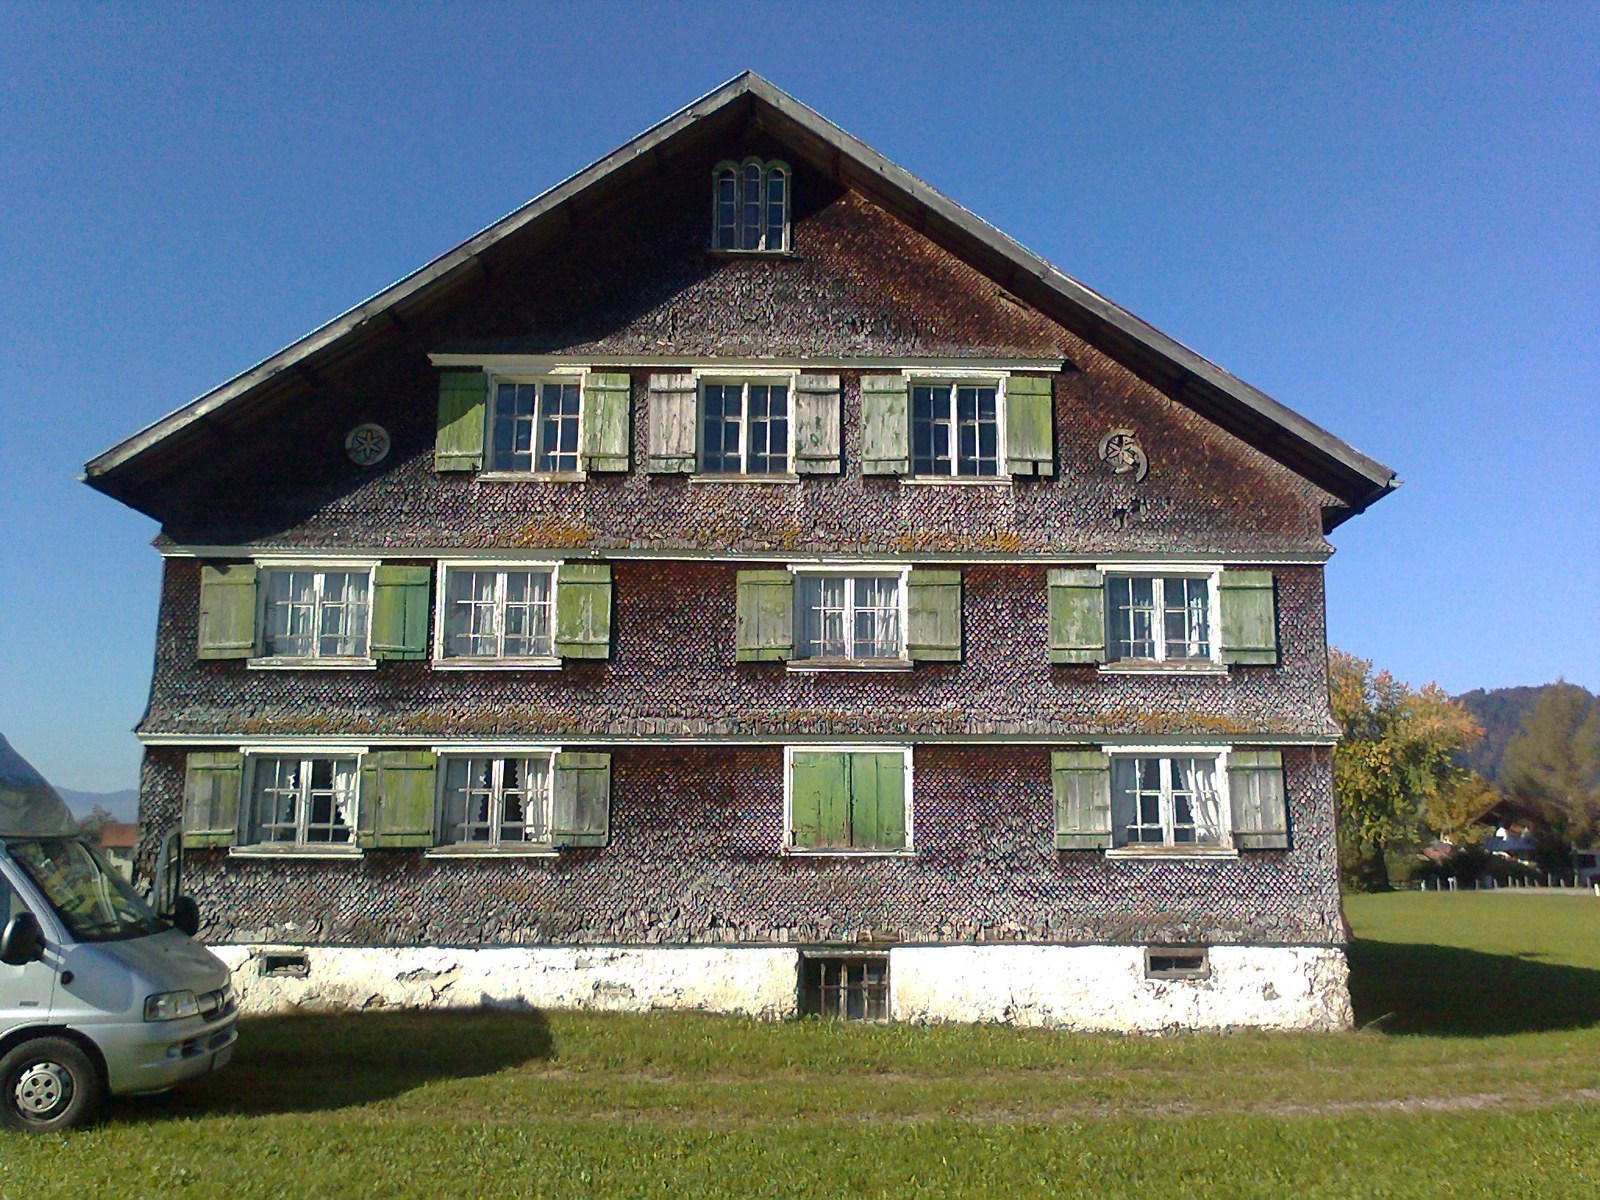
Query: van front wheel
{"type": "Point", "coordinates": [46, 1085]}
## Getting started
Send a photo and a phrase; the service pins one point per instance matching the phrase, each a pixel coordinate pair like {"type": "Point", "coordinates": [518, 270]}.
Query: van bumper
{"type": "Point", "coordinates": [153, 1056]}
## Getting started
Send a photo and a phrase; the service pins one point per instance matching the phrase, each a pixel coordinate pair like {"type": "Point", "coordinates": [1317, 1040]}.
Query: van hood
{"type": "Point", "coordinates": [170, 961]}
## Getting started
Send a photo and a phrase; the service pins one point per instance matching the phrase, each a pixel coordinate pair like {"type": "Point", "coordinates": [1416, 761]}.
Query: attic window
{"type": "Point", "coordinates": [750, 206]}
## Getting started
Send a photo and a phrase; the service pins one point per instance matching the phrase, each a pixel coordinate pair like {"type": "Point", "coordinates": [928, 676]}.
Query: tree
{"type": "Point", "coordinates": [1552, 767]}
{"type": "Point", "coordinates": [1396, 757]}
{"type": "Point", "coordinates": [99, 817]}
{"type": "Point", "coordinates": [1456, 811]}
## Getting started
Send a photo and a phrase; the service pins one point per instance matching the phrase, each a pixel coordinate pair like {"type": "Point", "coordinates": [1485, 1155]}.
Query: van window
{"type": "Point", "coordinates": [92, 899]}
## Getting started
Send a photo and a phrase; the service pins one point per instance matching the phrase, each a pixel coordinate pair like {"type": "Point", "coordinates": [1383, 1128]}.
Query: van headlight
{"type": "Point", "coordinates": [169, 1006]}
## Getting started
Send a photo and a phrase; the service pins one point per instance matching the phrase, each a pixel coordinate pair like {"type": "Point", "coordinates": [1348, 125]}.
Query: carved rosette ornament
{"type": "Point", "coordinates": [1120, 450]}
{"type": "Point", "coordinates": [367, 445]}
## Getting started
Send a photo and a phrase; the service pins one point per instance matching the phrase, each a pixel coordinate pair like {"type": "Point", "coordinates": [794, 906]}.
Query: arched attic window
{"type": "Point", "coordinates": [750, 206]}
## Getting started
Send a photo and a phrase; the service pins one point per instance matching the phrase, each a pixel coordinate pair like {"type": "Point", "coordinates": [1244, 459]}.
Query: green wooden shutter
{"type": "Point", "coordinates": [877, 801]}
{"type": "Point", "coordinates": [933, 610]}
{"type": "Point", "coordinates": [1030, 426]}
{"type": "Point", "coordinates": [674, 412]}
{"type": "Point", "coordinates": [463, 396]}
{"type": "Point", "coordinates": [819, 800]}
{"type": "Point", "coordinates": [1081, 781]}
{"type": "Point", "coordinates": [1257, 800]}
{"type": "Point", "coordinates": [400, 613]}
{"type": "Point", "coordinates": [1077, 616]}
{"type": "Point", "coordinates": [603, 445]}
{"type": "Point", "coordinates": [582, 799]}
{"type": "Point", "coordinates": [1249, 618]}
{"type": "Point", "coordinates": [583, 610]}
{"type": "Point", "coordinates": [396, 806]}
{"type": "Point", "coordinates": [228, 611]}
{"type": "Point", "coordinates": [816, 425]}
{"type": "Point", "coordinates": [211, 785]}
{"type": "Point", "coordinates": [885, 425]}
{"type": "Point", "coordinates": [765, 616]}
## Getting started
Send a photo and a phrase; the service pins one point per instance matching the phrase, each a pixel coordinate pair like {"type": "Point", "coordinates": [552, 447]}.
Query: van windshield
{"type": "Point", "coordinates": [95, 903]}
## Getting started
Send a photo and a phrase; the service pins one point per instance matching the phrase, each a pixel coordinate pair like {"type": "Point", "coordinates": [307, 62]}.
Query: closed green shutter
{"type": "Point", "coordinates": [816, 425]}
{"type": "Point", "coordinates": [395, 810]}
{"type": "Point", "coordinates": [1081, 781]}
{"type": "Point", "coordinates": [228, 611]}
{"type": "Point", "coordinates": [1077, 616]}
{"type": "Point", "coordinates": [211, 785]}
{"type": "Point", "coordinates": [885, 425]}
{"type": "Point", "coordinates": [878, 801]}
{"type": "Point", "coordinates": [1257, 800]}
{"type": "Point", "coordinates": [603, 445]}
{"type": "Point", "coordinates": [765, 616]}
{"type": "Point", "coordinates": [1030, 426]}
{"type": "Point", "coordinates": [674, 412]}
{"type": "Point", "coordinates": [819, 800]}
{"type": "Point", "coordinates": [1249, 618]}
{"type": "Point", "coordinates": [458, 445]}
{"type": "Point", "coordinates": [400, 613]}
{"type": "Point", "coordinates": [933, 610]}
{"type": "Point", "coordinates": [582, 796]}
{"type": "Point", "coordinates": [583, 610]}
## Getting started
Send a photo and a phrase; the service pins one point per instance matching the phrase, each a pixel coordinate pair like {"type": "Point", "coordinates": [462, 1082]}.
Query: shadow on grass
{"type": "Point", "coordinates": [314, 1063]}
{"type": "Point", "coordinates": [1443, 990]}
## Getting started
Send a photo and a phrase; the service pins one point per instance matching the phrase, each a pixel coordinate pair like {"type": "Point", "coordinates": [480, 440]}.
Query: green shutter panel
{"type": "Point", "coordinates": [885, 425]}
{"type": "Point", "coordinates": [1249, 618]}
{"type": "Point", "coordinates": [1030, 426]}
{"type": "Point", "coordinates": [211, 784]}
{"type": "Point", "coordinates": [933, 610]}
{"type": "Point", "coordinates": [765, 616]}
{"type": "Point", "coordinates": [674, 408]}
{"type": "Point", "coordinates": [400, 613]}
{"type": "Point", "coordinates": [877, 801]}
{"type": "Point", "coordinates": [582, 796]}
{"type": "Point", "coordinates": [396, 805]}
{"type": "Point", "coordinates": [228, 611]}
{"type": "Point", "coordinates": [583, 610]}
{"type": "Point", "coordinates": [816, 425]}
{"type": "Point", "coordinates": [1257, 799]}
{"type": "Point", "coordinates": [819, 800]}
{"type": "Point", "coordinates": [1077, 616]}
{"type": "Point", "coordinates": [463, 396]}
{"type": "Point", "coordinates": [603, 444]}
{"type": "Point", "coordinates": [1081, 781]}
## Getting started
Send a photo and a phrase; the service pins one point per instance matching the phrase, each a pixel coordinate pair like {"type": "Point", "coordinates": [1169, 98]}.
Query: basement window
{"type": "Point", "coordinates": [1171, 962]}
{"type": "Point", "coordinates": [851, 987]}
{"type": "Point", "coordinates": [285, 965]}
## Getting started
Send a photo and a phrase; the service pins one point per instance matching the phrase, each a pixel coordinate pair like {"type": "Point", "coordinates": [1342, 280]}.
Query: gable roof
{"type": "Point", "coordinates": [1304, 447]}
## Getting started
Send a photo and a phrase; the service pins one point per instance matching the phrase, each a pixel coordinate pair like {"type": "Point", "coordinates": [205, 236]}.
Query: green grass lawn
{"type": "Point", "coordinates": [1479, 1062]}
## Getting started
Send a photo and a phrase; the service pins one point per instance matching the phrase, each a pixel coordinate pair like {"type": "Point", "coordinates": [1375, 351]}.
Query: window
{"type": "Point", "coordinates": [534, 425]}
{"type": "Point", "coordinates": [496, 802]}
{"type": "Point", "coordinates": [303, 801]}
{"type": "Point", "coordinates": [848, 988]}
{"type": "Point", "coordinates": [494, 613]}
{"type": "Point", "coordinates": [1166, 802]}
{"type": "Point", "coordinates": [1159, 618]}
{"type": "Point", "coordinates": [955, 429]}
{"type": "Point", "coordinates": [849, 800]}
{"type": "Point", "coordinates": [851, 618]}
{"type": "Point", "coordinates": [744, 428]}
{"type": "Point", "coordinates": [1170, 962]}
{"type": "Point", "coordinates": [313, 613]}
{"type": "Point", "coordinates": [750, 206]}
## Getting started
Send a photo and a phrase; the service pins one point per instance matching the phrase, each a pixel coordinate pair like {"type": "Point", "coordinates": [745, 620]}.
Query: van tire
{"type": "Point", "coordinates": [47, 1085]}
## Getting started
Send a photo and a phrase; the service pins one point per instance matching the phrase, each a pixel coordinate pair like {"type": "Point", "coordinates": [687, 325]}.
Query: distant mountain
{"type": "Point", "coordinates": [1501, 712]}
{"type": "Point", "coordinates": [123, 805]}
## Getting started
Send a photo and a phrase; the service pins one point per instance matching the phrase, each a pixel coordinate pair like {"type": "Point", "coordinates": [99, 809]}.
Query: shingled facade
{"type": "Point", "coordinates": [741, 579]}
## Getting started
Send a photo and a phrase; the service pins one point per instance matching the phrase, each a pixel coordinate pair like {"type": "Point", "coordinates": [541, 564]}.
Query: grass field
{"type": "Point", "coordinates": [1477, 1072]}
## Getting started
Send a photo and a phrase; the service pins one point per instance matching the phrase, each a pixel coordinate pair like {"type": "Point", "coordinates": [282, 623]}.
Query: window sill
{"type": "Point", "coordinates": [533, 476]}
{"type": "Point", "coordinates": [817, 666]}
{"type": "Point", "coordinates": [729, 252]}
{"type": "Point", "coordinates": [294, 852]}
{"type": "Point", "coordinates": [744, 479]}
{"type": "Point", "coordinates": [459, 852]}
{"type": "Point", "coordinates": [803, 852]}
{"type": "Point", "coordinates": [312, 664]}
{"type": "Point", "coordinates": [1161, 852]}
{"type": "Point", "coordinates": [936, 481]}
{"type": "Point", "coordinates": [1165, 667]}
{"type": "Point", "coordinates": [497, 664]}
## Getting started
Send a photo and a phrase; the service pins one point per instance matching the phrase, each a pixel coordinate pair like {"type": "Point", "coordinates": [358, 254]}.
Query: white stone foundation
{"type": "Point", "coordinates": [1087, 988]}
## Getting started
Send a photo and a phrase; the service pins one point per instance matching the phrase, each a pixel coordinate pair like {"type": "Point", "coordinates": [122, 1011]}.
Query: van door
{"type": "Point", "coordinates": [26, 992]}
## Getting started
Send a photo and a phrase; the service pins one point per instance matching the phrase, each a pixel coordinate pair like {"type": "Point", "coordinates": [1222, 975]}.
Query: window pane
{"type": "Point", "coordinates": [472, 623]}
{"type": "Point", "coordinates": [1132, 616]}
{"type": "Point", "coordinates": [342, 614]}
{"type": "Point", "coordinates": [1196, 802]}
{"type": "Point", "coordinates": [726, 237]}
{"type": "Point", "coordinates": [877, 617]}
{"type": "Point", "coordinates": [290, 614]}
{"type": "Point", "coordinates": [822, 608]}
{"type": "Point", "coordinates": [527, 615]}
{"type": "Point", "coordinates": [558, 423]}
{"type": "Point", "coordinates": [777, 209]}
{"type": "Point", "coordinates": [750, 224]}
{"type": "Point", "coordinates": [1186, 615]}
{"type": "Point", "coordinates": [720, 431]}
{"type": "Point", "coordinates": [978, 433]}
{"type": "Point", "coordinates": [1136, 801]}
{"type": "Point", "coordinates": [931, 430]}
{"type": "Point", "coordinates": [274, 805]}
{"type": "Point", "coordinates": [769, 429]}
{"type": "Point", "coordinates": [512, 446]}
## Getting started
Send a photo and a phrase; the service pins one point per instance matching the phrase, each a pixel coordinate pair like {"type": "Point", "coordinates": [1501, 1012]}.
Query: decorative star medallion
{"type": "Point", "coordinates": [367, 445]}
{"type": "Point", "coordinates": [1120, 450]}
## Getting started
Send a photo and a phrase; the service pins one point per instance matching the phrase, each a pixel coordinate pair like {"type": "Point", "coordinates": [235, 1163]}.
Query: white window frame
{"type": "Point", "coordinates": [900, 571]}
{"type": "Point", "coordinates": [954, 380]}
{"type": "Point", "coordinates": [305, 752]}
{"type": "Point", "coordinates": [320, 567]}
{"type": "Point", "coordinates": [1167, 848]}
{"type": "Point", "coordinates": [495, 846]}
{"type": "Point", "coordinates": [743, 381]}
{"type": "Point", "coordinates": [909, 850]}
{"type": "Point", "coordinates": [766, 167]}
{"type": "Point", "coordinates": [1159, 572]}
{"type": "Point", "coordinates": [444, 661]}
{"type": "Point", "coordinates": [556, 374]}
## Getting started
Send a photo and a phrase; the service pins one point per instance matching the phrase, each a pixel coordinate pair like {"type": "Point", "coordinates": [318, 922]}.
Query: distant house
{"type": "Point", "coordinates": [743, 579]}
{"type": "Point", "coordinates": [116, 841]}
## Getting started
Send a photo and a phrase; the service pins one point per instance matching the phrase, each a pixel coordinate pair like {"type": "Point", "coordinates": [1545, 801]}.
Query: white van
{"type": "Point", "coordinates": [98, 995]}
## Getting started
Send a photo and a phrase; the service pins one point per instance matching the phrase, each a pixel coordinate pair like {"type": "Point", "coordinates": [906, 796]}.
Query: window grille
{"type": "Point", "coordinates": [496, 801]}
{"type": "Point", "coordinates": [498, 613]}
{"type": "Point", "coordinates": [1160, 618]}
{"type": "Point", "coordinates": [1165, 802]}
{"type": "Point", "coordinates": [303, 801]}
{"type": "Point", "coordinates": [849, 617]}
{"type": "Point", "coordinates": [849, 988]}
{"type": "Point", "coordinates": [744, 429]}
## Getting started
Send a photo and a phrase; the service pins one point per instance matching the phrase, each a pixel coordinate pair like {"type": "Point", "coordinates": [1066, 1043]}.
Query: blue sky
{"type": "Point", "coordinates": [1384, 217]}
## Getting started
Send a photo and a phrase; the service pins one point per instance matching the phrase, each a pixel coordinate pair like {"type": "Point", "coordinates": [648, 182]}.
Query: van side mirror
{"type": "Point", "coordinates": [186, 915]}
{"type": "Point", "coordinates": [23, 940]}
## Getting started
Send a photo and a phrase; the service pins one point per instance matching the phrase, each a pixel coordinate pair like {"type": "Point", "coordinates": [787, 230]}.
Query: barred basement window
{"type": "Point", "coordinates": [497, 614]}
{"type": "Point", "coordinates": [744, 428]}
{"type": "Point", "coordinates": [312, 613]}
{"type": "Point", "coordinates": [1160, 618]}
{"type": "Point", "coordinates": [534, 425]}
{"type": "Point", "coordinates": [1169, 962]}
{"type": "Point", "coordinates": [846, 988]}
{"type": "Point", "coordinates": [298, 801]}
{"type": "Point", "coordinates": [750, 206]}
{"type": "Point", "coordinates": [496, 802]}
{"type": "Point", "coordinates": [850, 618]}
{"type": "Point", "coordinates": [1166, 802]}
{"type": "Point", "coordinates": [955, 429]}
